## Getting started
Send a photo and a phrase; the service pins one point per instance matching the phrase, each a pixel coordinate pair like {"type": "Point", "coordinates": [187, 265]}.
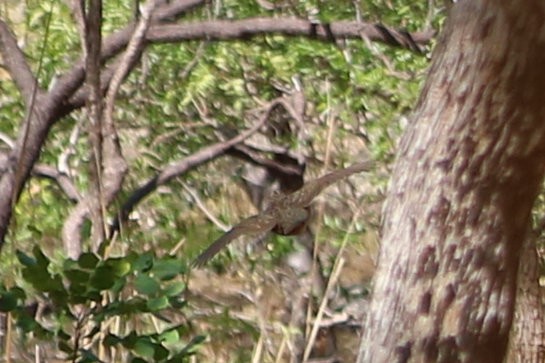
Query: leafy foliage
{"type": "Point", "coordinates": [83, 297]}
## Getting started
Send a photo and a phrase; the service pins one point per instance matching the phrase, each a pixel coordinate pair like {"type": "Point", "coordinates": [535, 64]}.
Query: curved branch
{"type": "Point", "coordinates": [247, 153]}
{"type": "Point", "coordinates": [113, 165]}
{"type": "Point", "coordinates": [63, 180]}
{"type": "Point", "coordinates": [68, 84]}
{"type": "Point", "coordinates": [16, 63]}
{"type": "Point", "coordinates": [182, 166]}
{"type": "Point", "coordinates": [240, 29]}
{"type": "Point", "coordinates": [243, 29]}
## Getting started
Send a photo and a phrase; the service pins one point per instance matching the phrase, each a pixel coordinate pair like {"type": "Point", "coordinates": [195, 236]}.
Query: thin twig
{"type": "Point", "coordinates": [195, 196]}
{"type": "Point", "coordinates": [337, 268]}
{"type": "Point", "coordinates": [7, 140]}
{"type": "Point", "coordinates": [320, 213]}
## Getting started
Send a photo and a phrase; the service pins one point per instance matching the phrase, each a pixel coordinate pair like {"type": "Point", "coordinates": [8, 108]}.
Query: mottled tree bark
{"type": "Point", "coordinates": [527, 339]}
{"type": "Point", "coordinates": [468, 171]}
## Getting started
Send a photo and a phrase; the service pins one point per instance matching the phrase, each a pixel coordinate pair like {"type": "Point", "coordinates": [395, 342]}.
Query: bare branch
{"type": "Point", "coordinates": [93, 44]}
{"type": "Point", "coordinates": [7, 140]}
{"type": "Point", "coordinates": [172, 10]}
{"type": "Point", "coordinates": [239, 29]}
{"type": "Point", "coordinates": [16, 63]}
{"type": "Point", "coordinates": [182, 166]}
{"type": "Point", "coordinates": [134, 49]}
{"type": "Point", "coordinates": [255, 157]}
{"type": "Point", "coordinates": [63, 180]}
{"type": "Point", "coordinates": [113, 45]}
{"type": "Point", "coordinates": [195, 196]}
{"type": "Point", "coordinates": [49, 109]}
{"type": "Point", "coordinates": [113, 166]}
{"type": "Point", "coordinates": [42, 170]}
{"type": "Point", "coordinates": [243, 29]}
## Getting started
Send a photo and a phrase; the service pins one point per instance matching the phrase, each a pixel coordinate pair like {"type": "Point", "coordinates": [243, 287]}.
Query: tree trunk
{"type": "Point", "coordinates": [527, 339]}
{"type": "Point", "coordinates": [468, 171]}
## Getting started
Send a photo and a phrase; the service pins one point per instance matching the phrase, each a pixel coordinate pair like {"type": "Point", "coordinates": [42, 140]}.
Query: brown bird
{"type": "Point", "coordinates": [286, 215]}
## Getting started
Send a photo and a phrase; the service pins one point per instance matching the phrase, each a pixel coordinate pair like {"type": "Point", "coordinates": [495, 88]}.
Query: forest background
{"type": "Point", "coordinates": [216, 105]}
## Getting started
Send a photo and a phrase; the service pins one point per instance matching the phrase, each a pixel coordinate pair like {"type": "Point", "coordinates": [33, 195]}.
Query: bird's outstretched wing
{"type": "Point", "coordinates": [304, 196]}
{"type": "Point", "coordinates": [256, 224]}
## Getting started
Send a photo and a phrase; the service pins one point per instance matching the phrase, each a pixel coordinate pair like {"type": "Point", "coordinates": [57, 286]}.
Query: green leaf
{"type": "Point", "coordinates": [130, 340]}
{"type": "Point", "coordinates": [27, 323]}
{"type": "Point", "coordinates": [103, 278]}
{"type": "Point", "coordinates": [88, 260]}
{"type": "Point", "coordinates": [120, 266]}
{"type": "Point", "coordinates": [18, 292]}
{"type": "Point", "coordinates": [111, 340]}
{"type": "Point", "coordinates": [41, 258]}
{"type": "Point", "coordinates": [161, 353]}
{"type": "Point", "coordinates": [158, 303]}
{"type": "Point", "coordinates": [25, 259]}
{"type": "Point", "coordinates": [8, 301]}
{"type": "Point", "coordinates": [118, 285]}
{"type": "Point", "coordinates": [143, 262]}
{"type": "Point", "coordinates": [70, 264]}
{"type": "Point", "coordinates": [144, 348]}
{"type": "Point", "coordinates": [174, 288]}
{"type": "Point", "coordinates": [146, 285]}
{"type": "Point", "coordinates": [77, 276]}
{"type": "Point", "coordinates": [170, 336]}
{"type": "Point", "coordinates": [167, 269]}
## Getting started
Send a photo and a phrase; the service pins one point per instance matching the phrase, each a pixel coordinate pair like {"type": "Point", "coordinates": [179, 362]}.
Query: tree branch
{"type": "Point", "coordinates": [182, 166]}
{"type": "Point", "coordinates": [50, 108]}
{"type": "Point", "coordinates": [250, 155]}
{"type": "Point", "coordinates": [113, 166]}
{"type": "Point", "coordinates": [68, 84]}
{"type": "Point", "coordinates": [16, 63]}
{"type": "Point", "coordinates": [239, 29]}
{"type": "Point", "coordinates": [63, 180]}
{"type": "Point", "coordinates": [246, 28]}
{"type": "Point", "coordinates": [57, 103]}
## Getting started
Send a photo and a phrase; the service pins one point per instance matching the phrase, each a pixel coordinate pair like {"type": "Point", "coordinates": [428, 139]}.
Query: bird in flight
{"type": "Point", "coordinates": [286, 215]}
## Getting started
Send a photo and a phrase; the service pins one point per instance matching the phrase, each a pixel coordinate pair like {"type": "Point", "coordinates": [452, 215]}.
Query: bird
{"type": "Point", "coordinates": [286, 214]}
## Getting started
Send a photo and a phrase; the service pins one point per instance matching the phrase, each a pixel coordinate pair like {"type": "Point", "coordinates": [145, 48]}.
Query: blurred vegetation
{"type": "Point", "coordinates": [171, 106]}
